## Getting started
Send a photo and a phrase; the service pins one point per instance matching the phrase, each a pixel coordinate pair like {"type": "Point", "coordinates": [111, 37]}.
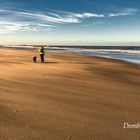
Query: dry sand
{"type": "Point", "coordinates": [69, 97]}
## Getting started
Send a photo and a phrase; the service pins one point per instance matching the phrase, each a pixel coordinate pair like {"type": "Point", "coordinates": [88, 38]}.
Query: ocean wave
{"type": "Point", "coordinates": [122, 54]}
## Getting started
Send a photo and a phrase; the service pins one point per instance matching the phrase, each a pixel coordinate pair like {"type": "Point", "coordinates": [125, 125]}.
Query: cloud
{"type": "Point", "coordinates": [61, 17]}
{"type": "Point", "coordinates": [10, 27]}
{"type": "Point", "coordinates": [13, 21]}
{"type": "Point", "coordinates": [126, 12]}
{"type": "Point", "coordinates": [119, 14]}
{"type": "Point", "coordinates": [88, 15]}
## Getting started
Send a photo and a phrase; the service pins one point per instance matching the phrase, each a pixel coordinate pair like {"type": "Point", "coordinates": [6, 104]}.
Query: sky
{"type": "Point", "coordinates": [74, 22]}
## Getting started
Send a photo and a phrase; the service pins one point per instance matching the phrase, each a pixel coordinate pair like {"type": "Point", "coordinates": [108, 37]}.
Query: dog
{"type": "Point", "coordinates": [34, 59]}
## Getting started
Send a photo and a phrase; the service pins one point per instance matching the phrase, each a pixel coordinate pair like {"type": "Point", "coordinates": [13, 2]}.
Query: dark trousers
{"type": "Point", "coordinates": [42, 57]}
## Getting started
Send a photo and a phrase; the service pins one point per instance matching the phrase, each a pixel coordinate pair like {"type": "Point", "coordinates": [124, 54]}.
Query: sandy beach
{"type": "Point", "coordinates": [69, 97]}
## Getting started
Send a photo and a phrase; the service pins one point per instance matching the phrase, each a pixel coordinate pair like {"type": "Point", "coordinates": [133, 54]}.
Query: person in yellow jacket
{"type": "Point", "coordinates": [42, 53]}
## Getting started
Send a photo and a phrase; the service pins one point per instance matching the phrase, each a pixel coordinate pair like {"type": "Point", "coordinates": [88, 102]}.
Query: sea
{"type": "Point", "coordinates": [129, 54]}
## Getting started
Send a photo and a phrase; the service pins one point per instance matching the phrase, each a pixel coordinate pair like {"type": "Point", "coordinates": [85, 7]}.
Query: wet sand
{"type": "Point", "coordinates": [69, 97]}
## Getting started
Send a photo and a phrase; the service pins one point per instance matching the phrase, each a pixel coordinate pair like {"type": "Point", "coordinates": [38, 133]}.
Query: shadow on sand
{"type": "Point", "coordinates": [51, 62]}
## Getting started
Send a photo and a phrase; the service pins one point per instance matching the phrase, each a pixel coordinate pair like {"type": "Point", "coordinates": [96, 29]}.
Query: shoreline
{"type": "Point", "coordinates": [68, 53]}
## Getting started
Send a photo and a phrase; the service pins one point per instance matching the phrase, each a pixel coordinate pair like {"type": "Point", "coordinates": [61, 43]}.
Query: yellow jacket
{"type": "Point", "coordinates": [41, 50]}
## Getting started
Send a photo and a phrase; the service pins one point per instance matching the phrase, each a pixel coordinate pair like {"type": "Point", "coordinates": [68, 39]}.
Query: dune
{"type": "Point", "coordinates": [69, 97]}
